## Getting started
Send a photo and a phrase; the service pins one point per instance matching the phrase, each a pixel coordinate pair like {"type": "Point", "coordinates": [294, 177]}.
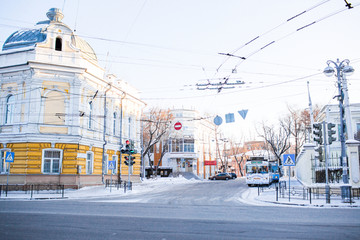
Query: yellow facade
{"type": "Point", "coordinates": [28, 158]}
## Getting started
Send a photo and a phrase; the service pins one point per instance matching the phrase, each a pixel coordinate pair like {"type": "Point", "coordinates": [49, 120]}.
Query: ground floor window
{"type": "Point", "coordinates": [89, 162]}
{"type": "Point", "coordinates": [51, 161]}
{"type": "Point", "coordinates": [3, 165]}
{"type": "Point", "coordinates": [114, 158]}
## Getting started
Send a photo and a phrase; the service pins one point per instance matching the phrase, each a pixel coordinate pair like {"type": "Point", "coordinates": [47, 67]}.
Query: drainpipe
{"type": "Point", "coordinates": [104, 136]}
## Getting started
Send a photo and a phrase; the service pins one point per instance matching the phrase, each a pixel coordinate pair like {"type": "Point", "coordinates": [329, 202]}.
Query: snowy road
{"type": "Point", "coordinates": [172, 210]}
{"type": "Point", "coordinates": [196, 193]}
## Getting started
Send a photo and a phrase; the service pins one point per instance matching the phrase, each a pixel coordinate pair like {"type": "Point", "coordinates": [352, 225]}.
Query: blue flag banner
{"type": "Point", "coordinates": [229, 118]}
{"type": "Point", "coordinates": [243, 113]}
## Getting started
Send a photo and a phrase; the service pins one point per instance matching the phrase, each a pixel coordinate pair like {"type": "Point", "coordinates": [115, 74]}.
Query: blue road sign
{"type": "Point", "coordinates": [112, 165]}
{"type": "Point", "coordinates": [9, 157]}
{"type": "Point", "coordinates": [289, 160]}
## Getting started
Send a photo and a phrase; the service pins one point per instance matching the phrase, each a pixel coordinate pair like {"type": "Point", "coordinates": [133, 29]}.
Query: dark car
{"type": "Point", "coordinates": [220, 176]}
{"type": "Point", "coordinates": [233, 175]}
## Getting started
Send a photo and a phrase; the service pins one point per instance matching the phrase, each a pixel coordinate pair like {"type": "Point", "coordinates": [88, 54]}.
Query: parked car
{"type": "Point", "coordinates": [220, 176]}
{"type": "Point", "coordinates": [233, 175]}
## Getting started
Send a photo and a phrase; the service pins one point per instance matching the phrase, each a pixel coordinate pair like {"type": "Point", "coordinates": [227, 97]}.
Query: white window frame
{"type": "Point", "coordinates": [51, 162]}
{"type": "Point", "coordinates": [89, 153]}
{"type": "Point", "coordinates": [106, 161]}
{"type": "Point", "coordinates": [115, 158]}
{"type": "Point", "coordinates": [114, 123]}
{"type": "Point", "coordinates": [3, 163]}
{"type": "Point", "coordinates": [90, 121]}
{"type": "Point", "coordinates": [9, 109]}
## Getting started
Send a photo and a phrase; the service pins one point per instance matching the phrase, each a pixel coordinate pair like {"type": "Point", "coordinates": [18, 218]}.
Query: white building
{"type": "Point", "coordinates": [52, 103]}
{"type": "Point", "coordinates": [192, 147]}
{"type": "Point", "coordinates": [310, 170]}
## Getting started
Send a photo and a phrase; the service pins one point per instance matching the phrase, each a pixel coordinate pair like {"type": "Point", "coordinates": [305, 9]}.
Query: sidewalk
{"type": "Point", "coordinates": [298, 197]}
{"type": "Point", "coordinates": [147, 185]}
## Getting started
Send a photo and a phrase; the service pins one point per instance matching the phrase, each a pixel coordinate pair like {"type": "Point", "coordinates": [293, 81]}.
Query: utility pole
{"type": "Point", "coordinates": [342, 68]}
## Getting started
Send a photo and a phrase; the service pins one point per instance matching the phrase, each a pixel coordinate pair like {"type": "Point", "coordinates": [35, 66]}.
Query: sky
{"type": "Point", "coordinates": [165, 47]}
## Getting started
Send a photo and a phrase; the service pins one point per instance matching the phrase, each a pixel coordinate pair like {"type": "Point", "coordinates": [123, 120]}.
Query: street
{"type": "Point", "coordinates": [196, 210]}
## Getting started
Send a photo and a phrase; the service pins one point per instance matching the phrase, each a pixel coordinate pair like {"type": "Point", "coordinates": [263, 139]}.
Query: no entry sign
{"type": "Point", "coordinates": [178, 126]}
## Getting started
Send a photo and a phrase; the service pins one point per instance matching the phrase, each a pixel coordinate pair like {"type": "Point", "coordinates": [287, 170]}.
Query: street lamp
{"type": "Point", "coordinates": [342, 68]}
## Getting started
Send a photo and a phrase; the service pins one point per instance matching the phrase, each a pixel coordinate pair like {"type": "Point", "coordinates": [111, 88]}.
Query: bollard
{"type": "Point", "coordinates": [310, 194]}
{"type": "Point", "coordinates": [124, 187]}
{"type": "Point", "coordinates": [277, 193]}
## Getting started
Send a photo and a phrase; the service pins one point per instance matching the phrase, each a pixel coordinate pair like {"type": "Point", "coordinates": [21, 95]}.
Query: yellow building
{"type": "Point", "coordinates": [61, 115]}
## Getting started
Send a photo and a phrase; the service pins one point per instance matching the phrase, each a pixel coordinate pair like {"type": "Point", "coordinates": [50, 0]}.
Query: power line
{"type": "Point", "coordinates": [229, 55]}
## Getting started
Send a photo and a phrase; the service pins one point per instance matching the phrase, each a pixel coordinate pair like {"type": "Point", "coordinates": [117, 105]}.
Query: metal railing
{"type": "Point", "coordinates": [118, 184]}
{"type": "Point", "coordinates": [33, 189]}
{"type": "Point", "coordinates": [311, 193]}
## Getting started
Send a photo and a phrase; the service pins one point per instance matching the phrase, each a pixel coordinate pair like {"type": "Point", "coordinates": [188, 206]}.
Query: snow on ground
{"type": "Point", "coordinates": [253, 195]}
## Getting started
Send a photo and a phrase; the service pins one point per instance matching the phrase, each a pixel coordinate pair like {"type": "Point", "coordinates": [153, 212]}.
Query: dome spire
{"type": "Point", "coordinates": [55, 14]}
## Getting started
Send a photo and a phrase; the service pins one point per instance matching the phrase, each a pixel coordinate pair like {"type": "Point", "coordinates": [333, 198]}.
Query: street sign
{"type": "Point", "coordinates": [289, 160]}
{"type": "Point", "coordinates": [178, 126]}
{"type": "Point", "coordinates": [9, 157]}
{"type": "Point", "coordinates": [112, 165]}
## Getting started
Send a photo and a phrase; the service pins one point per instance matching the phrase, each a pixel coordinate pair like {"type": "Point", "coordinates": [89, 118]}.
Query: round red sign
{"type": "Point", "coordinates": [177, 126]}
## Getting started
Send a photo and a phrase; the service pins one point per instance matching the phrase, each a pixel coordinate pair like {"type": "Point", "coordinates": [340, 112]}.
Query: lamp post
{"type": "Point", "coordinates": [342, 68]}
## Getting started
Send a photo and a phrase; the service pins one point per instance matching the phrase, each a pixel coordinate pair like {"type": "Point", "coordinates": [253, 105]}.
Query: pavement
{"type": "Point", "coordinates": [299, 196]}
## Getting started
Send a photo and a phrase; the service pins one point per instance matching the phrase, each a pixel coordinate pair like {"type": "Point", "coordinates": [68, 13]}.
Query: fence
{"type": "Point", "coordinates": [304, 194]}
{"type": "Point", "coordinates": [118, 184]}
{"type": "Point", "coordinates": [44, 190]}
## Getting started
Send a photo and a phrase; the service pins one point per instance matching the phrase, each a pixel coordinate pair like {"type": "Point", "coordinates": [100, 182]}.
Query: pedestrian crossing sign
{"type": "Point", "coordinates": [111, 165]}
{"type": "Point", "coordinates": [9, 157]}
{"type": "Point", "coordinates": [289, 160]}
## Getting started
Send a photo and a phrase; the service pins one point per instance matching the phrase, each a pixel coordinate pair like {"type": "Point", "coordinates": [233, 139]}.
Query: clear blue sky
{"type": "Point", "coordinates": [165, 47]}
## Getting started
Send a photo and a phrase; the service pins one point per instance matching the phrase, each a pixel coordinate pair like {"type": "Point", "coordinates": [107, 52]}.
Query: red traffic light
{"type": "Point", "coordinates": [127, 142]}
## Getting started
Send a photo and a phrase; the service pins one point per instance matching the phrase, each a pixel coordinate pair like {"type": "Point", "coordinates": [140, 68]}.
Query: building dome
{"type": "Point", "coordinates": [24, 38]}
{"type": "Point", "coordinates": [31, 37]}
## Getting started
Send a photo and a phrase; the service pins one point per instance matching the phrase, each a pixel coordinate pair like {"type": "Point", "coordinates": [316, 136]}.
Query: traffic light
{"type": "Point", "coordinates": [127, 147]}
{"type": "Point", "coordinates": [126, 161]}
{"type": "Point", "coordinates": [318, 133]}
{"type": "Point", "coordinates": [132, 162]}
{"type": "Point", "coordinates": [319, 150]}
{"type": "Point", "coordinates": [331, 132]}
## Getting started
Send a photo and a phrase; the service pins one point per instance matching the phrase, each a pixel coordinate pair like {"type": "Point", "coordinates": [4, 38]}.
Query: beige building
{"type": "Point", "coordinates": [61, 115]}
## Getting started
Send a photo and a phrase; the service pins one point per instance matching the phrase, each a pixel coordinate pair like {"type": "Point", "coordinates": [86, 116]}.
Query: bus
{"type": "Point", "coordinates": [275, 171]}
{"type": "Point", "coordinates": [258, 171]}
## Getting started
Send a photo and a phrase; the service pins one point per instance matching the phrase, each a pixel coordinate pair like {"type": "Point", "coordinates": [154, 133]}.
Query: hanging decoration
{"type": "Point", "coordinates": [230, 117]}
{"type": "Point", "coordinates": [218, 120]}
{"type": "Point", "coordinates": [243, 113]}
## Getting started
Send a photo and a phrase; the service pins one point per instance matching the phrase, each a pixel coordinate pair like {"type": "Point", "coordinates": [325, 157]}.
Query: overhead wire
{"type": "Point", "coordinates": [269, 31]}
{"type": "Point", "coordinates": [298, 29]}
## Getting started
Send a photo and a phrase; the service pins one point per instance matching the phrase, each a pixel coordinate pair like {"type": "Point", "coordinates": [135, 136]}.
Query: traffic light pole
{"type": "Point", "coordinates": [129, 155]}
{"type": "Point", "coordinates": [327, 188]}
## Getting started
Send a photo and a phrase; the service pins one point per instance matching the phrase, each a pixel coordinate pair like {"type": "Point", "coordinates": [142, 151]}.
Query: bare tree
{"type": "Point", "coordinates": [156, 128]}
{"type": "Point", "coordinates": [298, 123]}
{"type": "Point", "coordinates": [277, 139]}
{"type": "Point", "coordinates": [239, 155]}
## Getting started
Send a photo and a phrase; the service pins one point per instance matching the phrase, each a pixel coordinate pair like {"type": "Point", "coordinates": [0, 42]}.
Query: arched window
{"type": "Point", "coordinates": [10, 105]}
{"type": "Point", "coordinates": [90, 115]}
{"type": "Point", "coordinates": [58, 44]}
{"type": "Point", "coordinates": [114, 123]}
